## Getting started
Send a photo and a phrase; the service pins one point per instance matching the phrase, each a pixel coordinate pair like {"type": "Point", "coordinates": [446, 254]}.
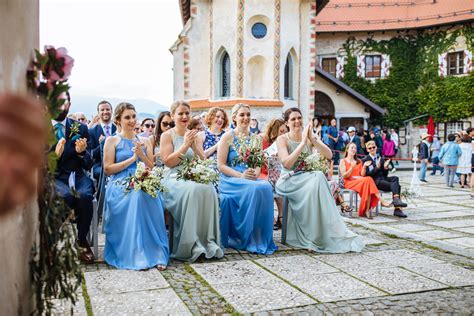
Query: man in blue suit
{"type": "Point", "coordinates": [72, 181]}
{"type": "Point", "coordinates": [354, 138]}
{"type": "Point", "coordinates": [98, 133]}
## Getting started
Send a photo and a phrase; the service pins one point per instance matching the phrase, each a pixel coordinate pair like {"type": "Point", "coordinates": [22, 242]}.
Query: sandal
{"type": "Point", "coordinates": [368, 214]}
{"type": "Point", "coordinates": [277, 224]}
{"type": "Point", "coordinates": [161, 267]}
{"type": "Point", "coordinates": [345, 208]}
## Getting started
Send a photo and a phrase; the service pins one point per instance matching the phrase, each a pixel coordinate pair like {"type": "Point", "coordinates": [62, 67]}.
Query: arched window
{"type": "Point", "coordinates": [288, 84]}
{"type": "Point", "coordinates": [224, 87]}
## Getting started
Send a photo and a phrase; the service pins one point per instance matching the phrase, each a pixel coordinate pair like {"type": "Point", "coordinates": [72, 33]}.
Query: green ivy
{"type": "Point", "coordinates": [414, 86]}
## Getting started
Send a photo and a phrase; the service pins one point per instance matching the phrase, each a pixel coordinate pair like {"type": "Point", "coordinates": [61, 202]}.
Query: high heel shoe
{"type": "Point", "coordinates": [277, 224]}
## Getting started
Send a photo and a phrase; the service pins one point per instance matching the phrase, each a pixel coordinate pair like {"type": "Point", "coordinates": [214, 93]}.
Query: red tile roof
{"type": "Point", "coordinates": [376, 15]}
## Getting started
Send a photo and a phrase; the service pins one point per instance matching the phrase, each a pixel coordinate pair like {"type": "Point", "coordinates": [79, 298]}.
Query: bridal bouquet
{"type": "Point", "coordinates": [311, 162]}
{"type": "Point", "coordinates": [145, 179]}
{"type": "Point", "coordinates": [250, 151]}
{"type": "Point", "coordinates": [198, 170]}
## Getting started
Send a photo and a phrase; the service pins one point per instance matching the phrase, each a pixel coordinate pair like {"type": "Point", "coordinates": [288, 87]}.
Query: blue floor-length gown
{"type": "Point", "coordinates": [246, 210]}
{"type": "Point", "coordinates": [134, 222]}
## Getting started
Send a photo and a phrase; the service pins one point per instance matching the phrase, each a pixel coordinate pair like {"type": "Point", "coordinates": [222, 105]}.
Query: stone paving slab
{"type": "Point", "coordinates": [370, 240]}
{"type": "Point", "coordinates": [397, 280]}
{"type": "Point", "coordinates": [437, 215]}
{"type": "Point", "coordinates": [412, 227]}
{"type": "Point", "coordinates": [404, 258]}
{"type": "Point", "coordinates": [249, 288]}
{"type": "Point", "coordinates": [467, 242]}
{"type": "Point", "coordinates": [354, 261]}
{"type": "Point", "coordinates": [112, 281]}
{"type": "Point", "coordinates": [469, 230]}
{"type": "Point", "coordinates": [336, 287]}
{"type": "Point", "coordinates": [448, 274]}
{"type": "Point", "coordinates": [453, 223]}
{"type": "Point", "coordinates": [438, 234]}
{"type": "Point", "coordinates": [291, 267]}
{"type": "Point", "coordinates": [62, 307]}
{"type": "Point", "coordinates": [154, 302]}
{"type": "Point", "coordinates": [248, 297]}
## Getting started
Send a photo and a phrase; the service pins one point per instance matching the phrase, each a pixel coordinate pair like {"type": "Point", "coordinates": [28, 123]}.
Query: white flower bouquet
{"type": "Point", "coordinates": [198, 170]}
{"type": "Point", "coordinates": [145, 179]}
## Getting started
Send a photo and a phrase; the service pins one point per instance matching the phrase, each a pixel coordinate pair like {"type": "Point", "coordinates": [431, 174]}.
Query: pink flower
{"type": "Point", "coordinates": [59, 65]}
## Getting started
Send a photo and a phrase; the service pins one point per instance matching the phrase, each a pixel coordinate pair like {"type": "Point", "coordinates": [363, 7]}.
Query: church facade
{"type": "Point", "coordinates": [260, 52]}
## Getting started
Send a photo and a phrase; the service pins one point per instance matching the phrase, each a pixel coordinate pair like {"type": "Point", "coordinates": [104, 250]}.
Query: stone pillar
{"type": "Point", "coordinates": [338, 122]}
{"type": "Point", "coordinates": [366, 124]}
{"type": "Point", "coordinates": [19, 35]}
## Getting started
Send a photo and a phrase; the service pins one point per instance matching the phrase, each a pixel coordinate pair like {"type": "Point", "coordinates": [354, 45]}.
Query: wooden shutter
{"type": "Point", "coordinates": [385, 66]}
{"type": "Point", "coordinates": [340, 67]}
{"type": "Point", "coordinates": [443, 65]}
{"type": "Point", "coordinates": [361, 66]}
{"type": "Point", "coordinates": [467, 62]}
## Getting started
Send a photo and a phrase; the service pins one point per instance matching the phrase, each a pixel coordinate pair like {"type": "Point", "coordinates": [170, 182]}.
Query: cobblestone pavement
{"type": "Point", "coordinates": [419, 265]}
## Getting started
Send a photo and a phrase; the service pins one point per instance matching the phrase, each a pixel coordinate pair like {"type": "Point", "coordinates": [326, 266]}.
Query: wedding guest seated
{"type": "Point", "coordinates": [275, 128]}
{"type": "Point", "coordinates": [135, 233]}
{"type": "Point", "coordinates": [163, 123]}
{"type": "Point", "coordinates": [72, 181]}
{"type": "Point", "coordinates": [98, 133]}
{"type": "Point", "coordinates": [246, 202]}
{"type": "Point", "coordinates": [217, 121]}
{"type": "Point", "coordinates": [353, 171]}
{"type": "Point", "coordinates": [377, 167]}
{"type": "Point", "coordinates": [314, 222]}
{"type": "Point", "coordinates": [193, 206]}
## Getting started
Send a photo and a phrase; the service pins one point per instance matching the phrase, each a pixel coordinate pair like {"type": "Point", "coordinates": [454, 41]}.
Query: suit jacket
{"type": "Point", "coordinates": [373, 171]}
{"type": "Point", "coordinates": [70, 160]}
{"type": "Point", "coordinates": [94, 144]}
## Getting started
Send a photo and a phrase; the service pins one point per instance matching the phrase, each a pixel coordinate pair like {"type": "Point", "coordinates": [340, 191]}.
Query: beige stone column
{"type": "Point", "coordinates": [19, 35]}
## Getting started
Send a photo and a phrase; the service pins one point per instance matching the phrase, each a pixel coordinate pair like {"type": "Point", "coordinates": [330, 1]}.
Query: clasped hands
{"type": "Point", "coordinates": [80, 146]}
{"type": "Point", "coordinates": [190, 137]}
{"type": "Point", "coordinates": [138, 150]}
{"type": "Point", "coordinates": [249, 174]}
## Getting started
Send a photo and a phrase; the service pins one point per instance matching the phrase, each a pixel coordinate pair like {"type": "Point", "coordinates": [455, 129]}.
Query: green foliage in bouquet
{"type": "Point", "coordinates": [198, 170]}
{"type": "Point", "coordinates": [311, 162]}
{"type": "Point", "coordinates": [146, 180]}
{"type": "Point", "coordinates": [250, 151]}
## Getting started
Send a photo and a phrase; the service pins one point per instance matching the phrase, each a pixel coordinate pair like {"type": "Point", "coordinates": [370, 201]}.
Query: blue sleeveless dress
{"type": "Point", "coordinates": [135, 230]}
{"type": "Point", "coordinates": [246, 211]}
{"type": "Point", "coordinates": [195, 211]}
{"type": "Point", "coordinates": [314, 222]}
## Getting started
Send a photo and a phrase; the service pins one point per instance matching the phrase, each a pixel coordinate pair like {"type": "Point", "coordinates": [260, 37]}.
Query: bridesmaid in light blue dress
{"type": "Point", "coordinates": [246, 202]}
{"type": "Point", "coordinates": [314, 222]}
{"type": "Point", "coordinates": [134, 223]}
{"type": "Point", "coordinates": [192, 205]}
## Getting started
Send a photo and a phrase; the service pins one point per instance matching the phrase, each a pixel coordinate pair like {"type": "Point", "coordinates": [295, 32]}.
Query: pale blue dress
{"type": "Point", "coordinates": [195, 211]}
{"type": "Point", "coordinates": [135, 233]}
{"type": "Point", "coordinates": [314, 222]}
{"type": "Point", "coordinates": [246, 211]}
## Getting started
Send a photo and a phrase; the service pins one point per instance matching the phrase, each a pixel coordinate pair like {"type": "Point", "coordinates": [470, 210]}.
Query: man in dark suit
{"type": "Point", "coordinates": [377, 168]}
{"type": "Point", "coordinates": [353, 138]}
{"type": "Point", "coordinates": [72, 181]}
{"type": "Point", "coordinates": [98, 133]}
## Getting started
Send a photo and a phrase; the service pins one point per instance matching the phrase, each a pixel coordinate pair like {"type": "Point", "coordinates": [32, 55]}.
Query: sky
{"type": "Point", "coordinates": [120, 47]}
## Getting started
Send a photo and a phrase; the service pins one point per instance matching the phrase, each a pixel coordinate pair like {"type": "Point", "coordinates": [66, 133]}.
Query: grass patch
{"type": "Point", "coordinates": [87, 299]}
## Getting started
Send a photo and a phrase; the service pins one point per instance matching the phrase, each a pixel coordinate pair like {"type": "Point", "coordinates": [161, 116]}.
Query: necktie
{"type": "Point", "coordinates": [107, 131]}
{"type": "Point", "coordinates": [58, 130]}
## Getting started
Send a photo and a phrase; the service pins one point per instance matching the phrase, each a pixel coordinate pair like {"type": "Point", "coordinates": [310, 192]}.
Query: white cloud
{"type": "Point", "coordinates": [120, 47]}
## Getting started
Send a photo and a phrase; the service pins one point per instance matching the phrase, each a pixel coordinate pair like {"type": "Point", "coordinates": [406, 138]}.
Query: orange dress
{"type": "Point", "coordinates": [364, 186]}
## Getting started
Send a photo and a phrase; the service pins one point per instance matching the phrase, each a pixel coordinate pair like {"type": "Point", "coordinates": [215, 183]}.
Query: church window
{"type": "Point", "coordinates": [288, 84]}
{"type": "Point", "coordinates": [329, 65]}
{"type": "Point", "coordinates": [259, 30]}
{"type": "Point", "coordinates": [225, 76]}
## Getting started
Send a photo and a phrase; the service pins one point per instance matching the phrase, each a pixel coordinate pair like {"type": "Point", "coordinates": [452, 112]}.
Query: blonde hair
{"type": "Point", "coordinates": [369, 143]}
{"type": "Point", "coordinates": [212, 114]}
{"type": "Point", "coordinates": [177, 104]}
{"type": "Point", "coordinates": [236, 109]}
{"type": "Point", "coordinates": [120, 108]}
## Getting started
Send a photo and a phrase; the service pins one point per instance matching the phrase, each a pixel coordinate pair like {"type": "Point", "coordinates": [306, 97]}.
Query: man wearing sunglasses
{"type": "Point", "coordinates": [376, 167]}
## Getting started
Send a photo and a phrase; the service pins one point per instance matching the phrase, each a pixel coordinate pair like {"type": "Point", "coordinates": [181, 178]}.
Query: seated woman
{"type": "Point", "coordinates": [217, 122]}
{"type": "Point", "coordinates": [134, 223]}
{"type": "Point", "coordinates": [163, 123]}
{"type": "Point", "coordinates": [314, 222]}
{"type": "Point", "coordinates": [353, 172]}
{"type": "Point", "coordinates": [275, 128]}
{"type": "Point", "coordinates": [193, 206]}
{"type": "Point", "coordinates": [246, 202]}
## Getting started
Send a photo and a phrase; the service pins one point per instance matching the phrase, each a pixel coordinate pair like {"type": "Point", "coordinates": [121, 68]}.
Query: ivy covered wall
{"type": "Point", "coordinates": [414, 86]}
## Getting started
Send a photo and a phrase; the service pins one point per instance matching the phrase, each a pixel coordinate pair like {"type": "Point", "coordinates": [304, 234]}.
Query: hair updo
{"type": "Point", "coordinates": [236, 108]}
{"type": "Point", "coordinates": [121, 107]}
{"type": "Point", "coordinates": [177, 104]}
{"type": "Point", "coordinates": [287, 113]}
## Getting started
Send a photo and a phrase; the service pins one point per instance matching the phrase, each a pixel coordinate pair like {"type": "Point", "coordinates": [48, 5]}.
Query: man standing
{"type": "Point", "coordinates": [72, 181]}
{"type": "Point", "coordinates": [424, 156]}
{"type": "Point", "coordinates": [377, 168]}
{"type": "Point", "coordinates": [98, 133]}
{"type": "Point", "coordinates": [353, 138]}
{"type": "Point", "coordinates": [333, 139]}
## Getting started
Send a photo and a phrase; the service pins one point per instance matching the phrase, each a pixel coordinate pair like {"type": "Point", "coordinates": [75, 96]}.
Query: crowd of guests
{"type": "Point", "coordinates": [238, 212]}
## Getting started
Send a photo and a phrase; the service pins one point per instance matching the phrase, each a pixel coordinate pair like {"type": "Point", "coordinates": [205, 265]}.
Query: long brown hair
{"type": "Point", "coordinates": [346, 151]}
{"type": "Point", "coordinates": [270, 133]}
{"type": "Point", "coordinates": [158, 130]}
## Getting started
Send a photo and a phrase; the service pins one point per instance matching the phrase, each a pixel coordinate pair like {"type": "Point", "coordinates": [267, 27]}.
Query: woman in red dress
{"type": "Point", "coordinates": [353, 172]}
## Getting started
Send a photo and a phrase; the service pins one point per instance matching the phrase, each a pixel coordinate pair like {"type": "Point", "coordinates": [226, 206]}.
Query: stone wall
{"type": "Point", "coordinates": [19, 35]}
